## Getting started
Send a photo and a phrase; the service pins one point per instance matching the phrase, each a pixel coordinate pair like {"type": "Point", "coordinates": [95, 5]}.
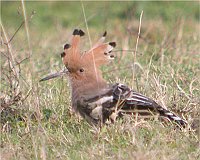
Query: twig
{"type": "Point", "coordinates": [95, 70]}
{"type": "Point", "coordinates": [141, 37]}
{"type": "Point", "coordinates": [136, 47]}
{"type": "Point", "coordinates": [127, 50]}
{"type": "Point", "coordinates": [23, 22]}
{"type": "Point", "coordinates": [181, 90]}
{"type": "Point", "coordinates": [125, 67]}
{"type": "Point", "coordinates": [26, 27]}
{"type": "Point", "coordinates": [11, 73]}
{"type": "Point", "coordinates": [16, 32]}
{"type": "Point", "coordinates": [11, 58]}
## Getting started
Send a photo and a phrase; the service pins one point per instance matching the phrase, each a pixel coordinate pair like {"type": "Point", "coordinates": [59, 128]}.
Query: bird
{"type": "Point", "coordinates": [97, 101]}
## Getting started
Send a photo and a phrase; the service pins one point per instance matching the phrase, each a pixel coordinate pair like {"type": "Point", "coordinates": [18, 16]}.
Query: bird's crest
{"type": "Point", "coordinates": [99, 54]}
{"type": "Point", "coordinates": [77, 61]}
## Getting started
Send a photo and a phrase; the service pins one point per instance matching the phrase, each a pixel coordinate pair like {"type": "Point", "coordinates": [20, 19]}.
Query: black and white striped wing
{"type": "Point", "coordinates": [130, 102]}
{"type": "Point", "coordinates": [97, 108]}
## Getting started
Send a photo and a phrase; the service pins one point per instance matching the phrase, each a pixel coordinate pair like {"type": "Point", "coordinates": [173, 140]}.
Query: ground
{"type": "Point", "coordinates": [166, 68]}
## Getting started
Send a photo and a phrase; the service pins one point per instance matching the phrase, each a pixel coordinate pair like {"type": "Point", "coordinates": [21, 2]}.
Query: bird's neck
{"type": "Point", "coordinates": [86, 88]}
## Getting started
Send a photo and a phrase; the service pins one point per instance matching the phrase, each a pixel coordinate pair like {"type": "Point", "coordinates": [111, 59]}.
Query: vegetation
{"type": "Point", "coordinates": [39, 124]}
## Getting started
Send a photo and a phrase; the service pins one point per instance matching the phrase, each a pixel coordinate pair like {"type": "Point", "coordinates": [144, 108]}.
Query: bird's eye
{"type": "Point", "coordinates": [81, 70]}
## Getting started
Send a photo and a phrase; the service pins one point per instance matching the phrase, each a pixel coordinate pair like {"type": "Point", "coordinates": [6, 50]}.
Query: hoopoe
{"type": "Point", "coordinates": [92, 97]}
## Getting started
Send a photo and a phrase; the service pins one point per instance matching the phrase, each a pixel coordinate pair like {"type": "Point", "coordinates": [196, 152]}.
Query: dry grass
{"type": "Point", "coordinates": [167, 70]}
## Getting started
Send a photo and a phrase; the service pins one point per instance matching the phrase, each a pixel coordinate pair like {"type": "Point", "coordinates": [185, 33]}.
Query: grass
{"type": "Point", "coordinates": [167, 71]}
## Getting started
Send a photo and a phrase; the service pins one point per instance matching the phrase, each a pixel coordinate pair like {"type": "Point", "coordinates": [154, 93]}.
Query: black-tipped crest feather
{"type": "Point", "coordinates": [113, 44]}
{"type": "Point", "coordinates": [81, 33]}
{"type": "Point", "coordinates": [105, 33]}
{"type": "Point", "coordinates": [66, 46]}
{"type": "Point", "coordinates": [76, 32]}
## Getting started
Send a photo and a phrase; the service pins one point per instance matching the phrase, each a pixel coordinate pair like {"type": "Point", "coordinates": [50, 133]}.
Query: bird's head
{"type": "Point", "coordinates": [85, 66]}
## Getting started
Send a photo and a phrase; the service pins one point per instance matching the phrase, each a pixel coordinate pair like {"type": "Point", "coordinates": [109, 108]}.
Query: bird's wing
{"type": "Point", "coordinates": [118, 100]}
{"type": "Point", "coordinates": [130, 101]}
{"type": "Point", "coordinates": [92, 107]}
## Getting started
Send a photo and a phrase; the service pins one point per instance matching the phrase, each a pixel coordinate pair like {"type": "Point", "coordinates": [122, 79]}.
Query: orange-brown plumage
{"type": "Point", "coordinates": [84, 72]}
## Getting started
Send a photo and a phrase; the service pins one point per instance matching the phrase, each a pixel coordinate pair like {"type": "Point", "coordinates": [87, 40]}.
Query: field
{"type": "Point", "coordinates": [36, 117]}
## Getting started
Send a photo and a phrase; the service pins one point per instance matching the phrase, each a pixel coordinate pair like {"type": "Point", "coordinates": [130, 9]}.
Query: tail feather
{"type": "Point", "coordinates": [171, 116]}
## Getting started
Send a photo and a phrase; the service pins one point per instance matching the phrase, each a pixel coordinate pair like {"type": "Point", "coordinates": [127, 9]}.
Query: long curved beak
{"type": "Point", "coordinates": [54, 75]}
